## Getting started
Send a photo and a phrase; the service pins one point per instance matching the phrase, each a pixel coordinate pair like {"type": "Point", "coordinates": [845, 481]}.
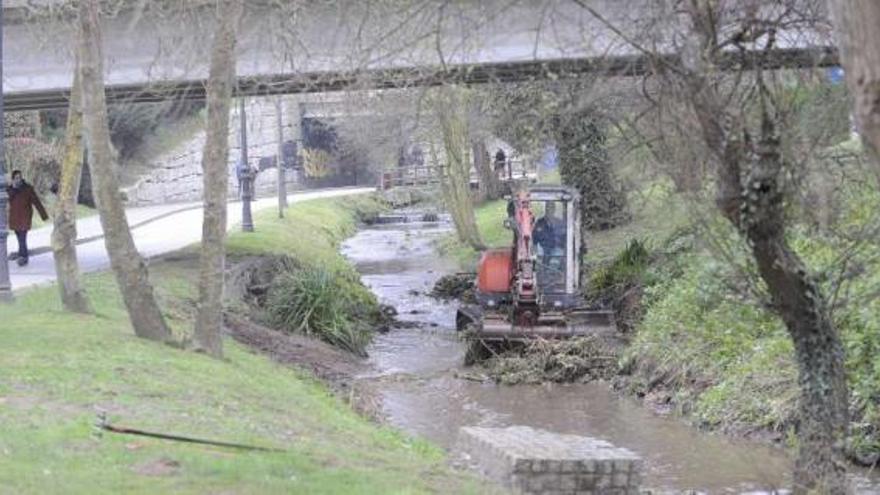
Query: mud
{"type": "Point", "coordinates": [457, 286]}
{"type": "Point", "coordinates": [334, 367]}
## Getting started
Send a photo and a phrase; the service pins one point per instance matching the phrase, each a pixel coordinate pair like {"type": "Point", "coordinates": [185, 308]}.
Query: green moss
{"type": "Point", "coordinates": [59, 369]}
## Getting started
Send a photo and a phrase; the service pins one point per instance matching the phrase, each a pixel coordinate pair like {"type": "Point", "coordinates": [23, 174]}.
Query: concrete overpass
{"type": "Point", "coordinates": [154, 52]}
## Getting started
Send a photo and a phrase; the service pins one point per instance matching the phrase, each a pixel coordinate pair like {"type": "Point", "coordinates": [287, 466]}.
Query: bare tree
{"type": "Point", "coordinates": [857, 23]}
{"type": "Point", "coordinates": [450, 108]}
{"type": "Point", "coordinates": [742, 122]}
{"type": "Point", "coordinates": [128, 265]}
{"type": "Point", "coordinates": [73, 295]}
{"type": "Point", "coordinates": [209, 321]}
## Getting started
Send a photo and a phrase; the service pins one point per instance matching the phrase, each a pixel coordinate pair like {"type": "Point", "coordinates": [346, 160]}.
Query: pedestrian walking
{"type": "Point", "coordinates": [500, 162]}
{"type": "Point", "coordinates": [22, 201]}
{"type": "Point", "coordinates": [241, 171]}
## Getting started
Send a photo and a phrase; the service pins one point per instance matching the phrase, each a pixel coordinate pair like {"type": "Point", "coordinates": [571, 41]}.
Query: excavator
{"type": "Point", "coordinates": [531, 289]}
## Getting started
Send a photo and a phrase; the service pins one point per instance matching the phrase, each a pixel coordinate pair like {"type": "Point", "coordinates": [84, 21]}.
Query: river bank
{"type": "Point", "coordinates": [60, 371]}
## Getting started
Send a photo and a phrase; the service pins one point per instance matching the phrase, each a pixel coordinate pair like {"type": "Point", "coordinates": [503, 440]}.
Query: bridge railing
{"type": "Point", "coordinates": [429, 175]}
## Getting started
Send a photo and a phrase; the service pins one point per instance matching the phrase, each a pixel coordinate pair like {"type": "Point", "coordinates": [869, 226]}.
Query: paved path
{"type": "Point", "coordinates": [162, 229]}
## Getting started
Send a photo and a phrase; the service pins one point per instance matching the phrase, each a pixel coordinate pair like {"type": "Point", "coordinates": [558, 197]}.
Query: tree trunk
{"type": "Point", "coordinates": [456, 174]}
{"type": "Point", "coordinates": [212, 263]}
{"type": "Point", "coordinates": [823, 405]}
{"type": "Point", "coordinates": [73, 296]}
{"type": "Point", "coordinates": [490, 186]}
{"type": "Point", "coordinates": [128, 266]}
{"type": "Point", "coordinates": [857, 23]}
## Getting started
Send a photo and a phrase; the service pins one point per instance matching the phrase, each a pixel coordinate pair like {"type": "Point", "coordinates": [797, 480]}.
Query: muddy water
{"type": "Point", "coordinates": [426, 391]}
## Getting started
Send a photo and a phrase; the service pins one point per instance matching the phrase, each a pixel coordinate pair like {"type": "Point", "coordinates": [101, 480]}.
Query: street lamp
{"type": "Point", "coordinates": [247, 176]}
{"type": "Point", "coordinates": [5, 283]}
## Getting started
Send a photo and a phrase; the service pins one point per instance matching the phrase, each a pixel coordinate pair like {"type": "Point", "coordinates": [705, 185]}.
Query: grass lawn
{"type": "Point", "coordinates": [58, 370]}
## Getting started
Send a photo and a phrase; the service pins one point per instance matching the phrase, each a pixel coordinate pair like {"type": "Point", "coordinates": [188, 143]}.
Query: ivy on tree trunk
{"type": "Point", "coordinates": [584, 164]}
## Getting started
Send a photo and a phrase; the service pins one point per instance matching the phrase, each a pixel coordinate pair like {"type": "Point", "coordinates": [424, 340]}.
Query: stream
{"type": "Point", "coordinates": [420, 377]}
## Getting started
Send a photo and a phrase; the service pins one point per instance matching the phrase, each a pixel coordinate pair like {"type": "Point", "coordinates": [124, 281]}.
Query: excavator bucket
{"type": "Point", "coordinates": [576, 323]}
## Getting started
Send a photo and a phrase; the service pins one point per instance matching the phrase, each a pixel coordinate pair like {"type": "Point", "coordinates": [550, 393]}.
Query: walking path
{"type": "Point", "coordinates": [156, 230]}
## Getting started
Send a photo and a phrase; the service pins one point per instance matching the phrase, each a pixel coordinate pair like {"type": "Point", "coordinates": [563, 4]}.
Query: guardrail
{"type": "Point", "coordinates": [429, 175]}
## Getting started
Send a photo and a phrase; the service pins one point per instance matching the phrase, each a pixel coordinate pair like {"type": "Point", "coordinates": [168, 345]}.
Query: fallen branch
{"type": "Point", "coordinates": [103, 425]}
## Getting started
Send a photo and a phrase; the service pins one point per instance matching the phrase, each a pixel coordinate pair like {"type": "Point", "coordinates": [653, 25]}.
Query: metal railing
{"type": "Point", "coordinates": [429, 175]}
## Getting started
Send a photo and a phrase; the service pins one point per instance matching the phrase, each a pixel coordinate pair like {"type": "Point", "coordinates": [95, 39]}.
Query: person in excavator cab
{"type": "Point", "coordinates": [550, 235]}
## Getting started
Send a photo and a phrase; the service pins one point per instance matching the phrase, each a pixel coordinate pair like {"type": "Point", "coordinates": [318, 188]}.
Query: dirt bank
{"type": "Point", "coordinates": [336, 368]}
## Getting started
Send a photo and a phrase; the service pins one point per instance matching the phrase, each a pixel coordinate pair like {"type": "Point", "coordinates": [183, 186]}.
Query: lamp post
{"type": "Point", "coordinates": [247, 179]}
{"type": "Point", "coordinates": [5, 283]}
{"type": "Point", "coordinates": [279, 162]}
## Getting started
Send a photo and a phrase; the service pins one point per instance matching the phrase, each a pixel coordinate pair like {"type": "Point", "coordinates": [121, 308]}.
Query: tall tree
{"type": "Point", "coordinates": [455, 177]}
{"type": "Point", "coordinates": [751, 194]}
{"type": "Point", "coordinates": [212, 264]}
{"type": "Point", "coordinates": [742, 121]}
{"type": "Point", "coordinates": [73, 295]}
{"type": "Point", "coordinates": [857, 23]}
{"type": "Point", "coordinates": [490, 185]}
{"type": "Point", "coordinates": [128, 265]}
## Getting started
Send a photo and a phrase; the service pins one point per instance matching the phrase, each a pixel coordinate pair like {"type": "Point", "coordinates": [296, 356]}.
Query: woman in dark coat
{"type": "Point", "coordinates": [22, 201]}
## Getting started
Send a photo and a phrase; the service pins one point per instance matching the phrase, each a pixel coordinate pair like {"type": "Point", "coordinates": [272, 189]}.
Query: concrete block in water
{"type": "Point", "coordinates": [533, 461]}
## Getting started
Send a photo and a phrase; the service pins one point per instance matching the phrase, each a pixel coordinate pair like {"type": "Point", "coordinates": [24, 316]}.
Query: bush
{"type": "Point", "coordinates": [317, 302]}
{"type": "Point", "coordinates": [626, 269]}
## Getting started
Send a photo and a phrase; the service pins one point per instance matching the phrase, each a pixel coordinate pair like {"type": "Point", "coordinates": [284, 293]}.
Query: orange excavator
{"type": "Point", "coordinates": [532, 288]}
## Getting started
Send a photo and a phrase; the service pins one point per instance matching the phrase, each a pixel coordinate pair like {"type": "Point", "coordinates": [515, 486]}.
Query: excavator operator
{"type": "Point", "coordinates": [550, 236]}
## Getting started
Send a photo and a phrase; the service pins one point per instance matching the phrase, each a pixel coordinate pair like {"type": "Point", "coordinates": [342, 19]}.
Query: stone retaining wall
{"type": "Point", "coordinates": [534, 461]}
{"type": "Point", "coordinates": [176, 176]}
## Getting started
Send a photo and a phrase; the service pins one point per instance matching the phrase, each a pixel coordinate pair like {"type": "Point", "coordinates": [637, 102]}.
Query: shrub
{"type": "Point", "coordinates": [319, 303]}
{"type": "Point", "coordinates": [626, 269]}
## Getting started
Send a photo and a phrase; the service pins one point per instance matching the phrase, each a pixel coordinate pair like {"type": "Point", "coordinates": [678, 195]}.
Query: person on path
{"type": "Point", "coordinates": [500, 163]}
{"type": "Point", "coordinates": [22, 201]}
{"type": "Point", "coordinates": [241, 171]}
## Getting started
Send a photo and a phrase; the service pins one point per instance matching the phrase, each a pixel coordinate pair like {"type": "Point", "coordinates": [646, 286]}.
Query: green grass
{"type": "Point", "coordinates": [58, 369]}
{"type": "Point", "coordinates": [490, 221]}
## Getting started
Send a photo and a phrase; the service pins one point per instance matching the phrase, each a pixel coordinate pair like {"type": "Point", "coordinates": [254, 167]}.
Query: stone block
{"type": "Point", "coordinates": [568, 482]}
{"type": "Point", "coordinates": [620, 480]}
{"type": "Point", "coordinates": [585, 482]}
{"type": "Point", "coordinates": [622, 465]}
{"type": "Point", "coordinates": [540, 462]}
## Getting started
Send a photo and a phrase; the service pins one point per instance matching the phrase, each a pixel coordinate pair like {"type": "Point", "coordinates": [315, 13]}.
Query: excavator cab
{"type": "Point", "coordinates": [555, 241]}
{"type": "Point", "coordinates": [532, 288]}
